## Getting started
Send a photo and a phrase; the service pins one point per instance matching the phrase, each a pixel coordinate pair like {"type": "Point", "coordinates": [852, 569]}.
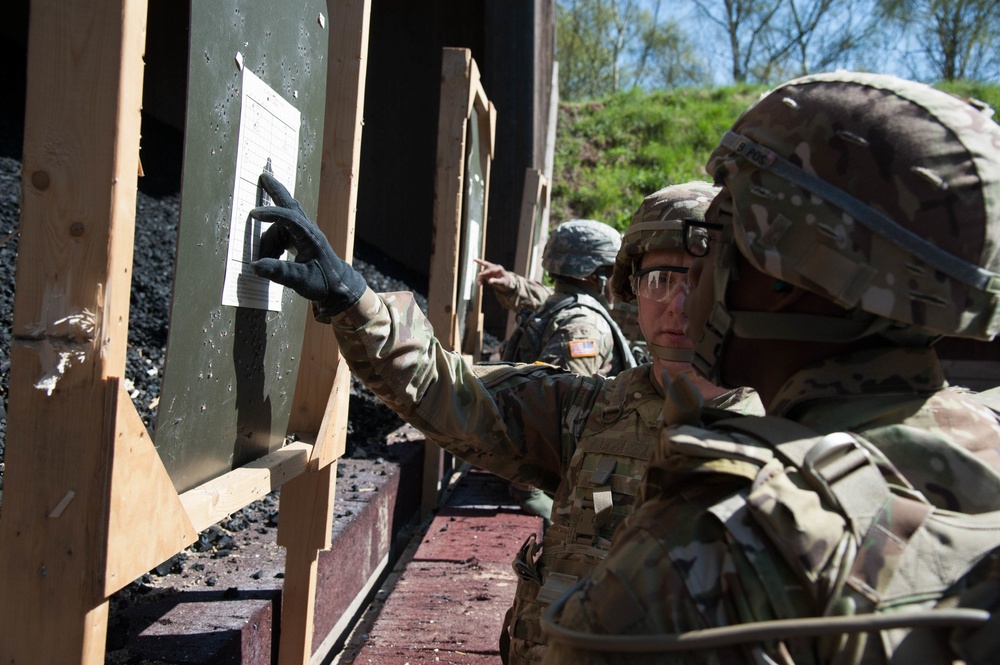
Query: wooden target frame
{"type": "Point", "coordinates": [466, 133]}
{"type": "Point", "coordinates": [82, 475]}
{"type": "Point", "coordinates": [530, 239]}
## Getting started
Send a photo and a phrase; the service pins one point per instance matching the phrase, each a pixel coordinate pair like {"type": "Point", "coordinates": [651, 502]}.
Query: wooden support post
{"type": "Point", "coordinates": [534, 199]}
{"type": "Point", "coordinates": [486, 114]}
{"type": "Point", "coordinates": [461, 94]}
{"type": "Point", "coordinates": [80, 163]}
{"type": "Point", "coordinates": [323, 385]}
{"type": "Point", "coordinates": [457, 98]}
{"type": "Point", "coordinates": [303, 530]}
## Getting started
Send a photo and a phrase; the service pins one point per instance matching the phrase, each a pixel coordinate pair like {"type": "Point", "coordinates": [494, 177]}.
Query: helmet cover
{"type": "Point", "coordinates": [877, 193]}
{"type": "Point", "coordinates": [579, 247]}
{"type": "Point", "coordinates": [657, 225]}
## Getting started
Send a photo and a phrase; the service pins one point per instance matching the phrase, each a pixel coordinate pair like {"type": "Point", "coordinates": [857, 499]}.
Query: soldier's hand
{"type": "Point", "coordinates": [493, 274]}
{"type": "Point", "coordinates": [317, 273]}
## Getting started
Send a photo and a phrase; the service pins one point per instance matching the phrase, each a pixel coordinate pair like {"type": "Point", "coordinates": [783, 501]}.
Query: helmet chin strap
{"type": "Point", "coordinates": [602, 293]}
{"type": "Point", "coordinates": [708, 348]}
{"type": "Point", "coordinates": [669, 353]}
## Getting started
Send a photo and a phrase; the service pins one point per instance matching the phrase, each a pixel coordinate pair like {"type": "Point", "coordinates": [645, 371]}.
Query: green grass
{"type": "Point", "coordinates": [612, 152]}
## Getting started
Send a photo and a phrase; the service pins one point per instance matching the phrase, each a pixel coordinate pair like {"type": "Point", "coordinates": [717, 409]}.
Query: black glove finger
{"type": "Point", "coordinates": [279, 193]}
{"type": "Point", "coordinates": [274, 241]}
{"type": "Point", "coordinates": [272, 269]}
{"type": "Point", "coordinates": [301, 230]}
{"type": "Point", "coordinates": [297, 276]}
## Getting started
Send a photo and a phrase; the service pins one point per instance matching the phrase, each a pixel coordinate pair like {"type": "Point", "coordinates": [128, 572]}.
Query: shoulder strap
{"type": "Point", "coordinates": [539, 321]}
{"type": "Point", "coordinates": [842, 467]}
{"type": "Point", "coordinates": [622, 347]}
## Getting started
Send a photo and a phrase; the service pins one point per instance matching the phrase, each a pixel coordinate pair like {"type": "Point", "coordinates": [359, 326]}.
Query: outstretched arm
{"type": "Point", "coordinates": [513, 291]}
{"type": "Point", "coordinates": [497, 417]}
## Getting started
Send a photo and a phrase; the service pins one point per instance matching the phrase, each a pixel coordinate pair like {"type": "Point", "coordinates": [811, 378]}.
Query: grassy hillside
{"type": "Point", "coordinates": [611, 153]}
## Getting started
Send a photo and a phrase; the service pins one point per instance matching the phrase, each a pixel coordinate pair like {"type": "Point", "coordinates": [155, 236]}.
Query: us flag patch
{"type": "Point", "coordinates": [582, 348]}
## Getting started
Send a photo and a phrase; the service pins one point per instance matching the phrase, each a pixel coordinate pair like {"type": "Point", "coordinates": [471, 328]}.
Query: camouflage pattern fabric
{"type": "Point", "coordinates": [658, 225]}
{"type": "Point", "coordinates": [579, 247]}
{"type": "Point", "coordinates": [700, 548]}
{"type": "Point", "coordinates": [904, 157]}
{"type": "Point", "coordinates": [573, 337]}
{"type": "Point", "coordinates": [532, 424]}
{"type": "Point", "coordinates": [557, 327]}
{"type": "Point", "coordinates": [522, 294]}
{"type": "Point", "coordinates": [606, 471]}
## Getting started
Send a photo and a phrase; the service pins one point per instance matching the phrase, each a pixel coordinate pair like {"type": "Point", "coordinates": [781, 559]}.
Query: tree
{"type": "Point", "coordinates": [665, 57]}
{"type": "Point", "coordinates": [586, 61]}
{"type": "Point", "coordinates": [958, 38]}
{"type": "Point", "coordinates": [817, 35]}
{"type": "Point", "coordinates": [604, 46]}
{"type": "Point", "coordinates": [744, 23]}
{"type": "Point", "coordinates": [772, 40]}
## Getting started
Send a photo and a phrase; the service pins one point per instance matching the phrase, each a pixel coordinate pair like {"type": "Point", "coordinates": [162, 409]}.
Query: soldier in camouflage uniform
{"type": "Point", "coordinates": [586, 439]}
{"type": "Point", "coordinates": [859, 220]}
{"type": "Point", "coordinates": [568, 325]}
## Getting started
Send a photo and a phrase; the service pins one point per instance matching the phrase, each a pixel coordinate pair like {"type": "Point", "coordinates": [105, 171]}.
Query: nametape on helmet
{"type": "Point", "coordinates": [582, 348]}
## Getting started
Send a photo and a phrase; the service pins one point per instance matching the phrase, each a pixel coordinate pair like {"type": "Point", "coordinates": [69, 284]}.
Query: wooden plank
{"type": "Point", "coordinates": [319, 408]}
{"type": "Point", "coordinates": [458, 574]}
{"type": "Point", "coordinates": [533, 183]}
{"type": "Point", "coordinates": [323, 388]}
{"type": "Point", "coordinates": [457, 70]}
{"type": "Point", "coordinates": [307, 501]}
{"type": "Point", "coordinates": [80, 160]}
{"type": "Point", "coordinates": [536, 271]}
{"type": "Point", "coordinates": [442, 286]}
{"type": "Point", "coordinates": [486, 114]}
{"type": "Point", "coordinates": [139, 481]}
{"type": "Point", "coordinates": [209, 503]}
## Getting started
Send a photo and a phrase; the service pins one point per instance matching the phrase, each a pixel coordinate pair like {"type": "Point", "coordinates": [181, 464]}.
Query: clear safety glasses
{"type": "Point", "coordinates": [660, 283]}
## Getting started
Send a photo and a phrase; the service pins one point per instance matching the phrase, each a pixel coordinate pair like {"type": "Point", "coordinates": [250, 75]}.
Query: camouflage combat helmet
{"type": "Point", "coordinates": [880, 194]}
{"type": "Point", "coordinates": [579, 247]}
{"type": "Point", "coordinates": [657, 224]}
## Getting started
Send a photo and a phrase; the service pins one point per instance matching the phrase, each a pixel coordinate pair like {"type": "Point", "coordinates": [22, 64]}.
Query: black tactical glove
{"type": "Point", "coordinates": [317, 273]}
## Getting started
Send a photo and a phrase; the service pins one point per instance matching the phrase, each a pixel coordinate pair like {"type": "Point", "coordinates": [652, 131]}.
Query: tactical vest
{"type": "Point", "coordinates": [604, 474]}
{"type": "Point", "coordinates": [525, 344]}
{"type": "Point", "coordinates": [856, 535]}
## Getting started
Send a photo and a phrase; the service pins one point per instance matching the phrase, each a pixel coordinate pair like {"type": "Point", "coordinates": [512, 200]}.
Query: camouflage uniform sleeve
{"type": "Point", "coordinates": [569, 346]}
{"type": "Point", "coordinates": [524, 294]}
{"type": "Point", "coordinates": [516, 421]}
{"type": "Point", "coordinates": [672, 569]}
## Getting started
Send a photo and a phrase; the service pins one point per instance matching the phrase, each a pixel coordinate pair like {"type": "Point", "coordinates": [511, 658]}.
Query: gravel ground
{"type": "Point", "coordinates": [246, 537]}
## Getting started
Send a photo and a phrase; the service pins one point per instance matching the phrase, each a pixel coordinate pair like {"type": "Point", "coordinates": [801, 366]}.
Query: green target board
{"type": "Point", "coordinates": [255, 102]}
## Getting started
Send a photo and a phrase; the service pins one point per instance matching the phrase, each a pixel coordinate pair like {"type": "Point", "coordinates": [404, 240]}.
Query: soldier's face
{"type": "Point", "coordinates": [661, 315]}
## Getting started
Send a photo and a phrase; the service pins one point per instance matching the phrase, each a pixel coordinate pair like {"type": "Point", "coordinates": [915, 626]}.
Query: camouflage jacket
{"type": "Point", "coordinates": [575, 337]}
{"type": "Point", "coordinates": [523, 294]}
{"type": "Point", "coordinates": [522, 427]}
{"type": "Point", "coordinates": [532, 424]}
{"type": "Point", "coordinates": [696, 553]}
